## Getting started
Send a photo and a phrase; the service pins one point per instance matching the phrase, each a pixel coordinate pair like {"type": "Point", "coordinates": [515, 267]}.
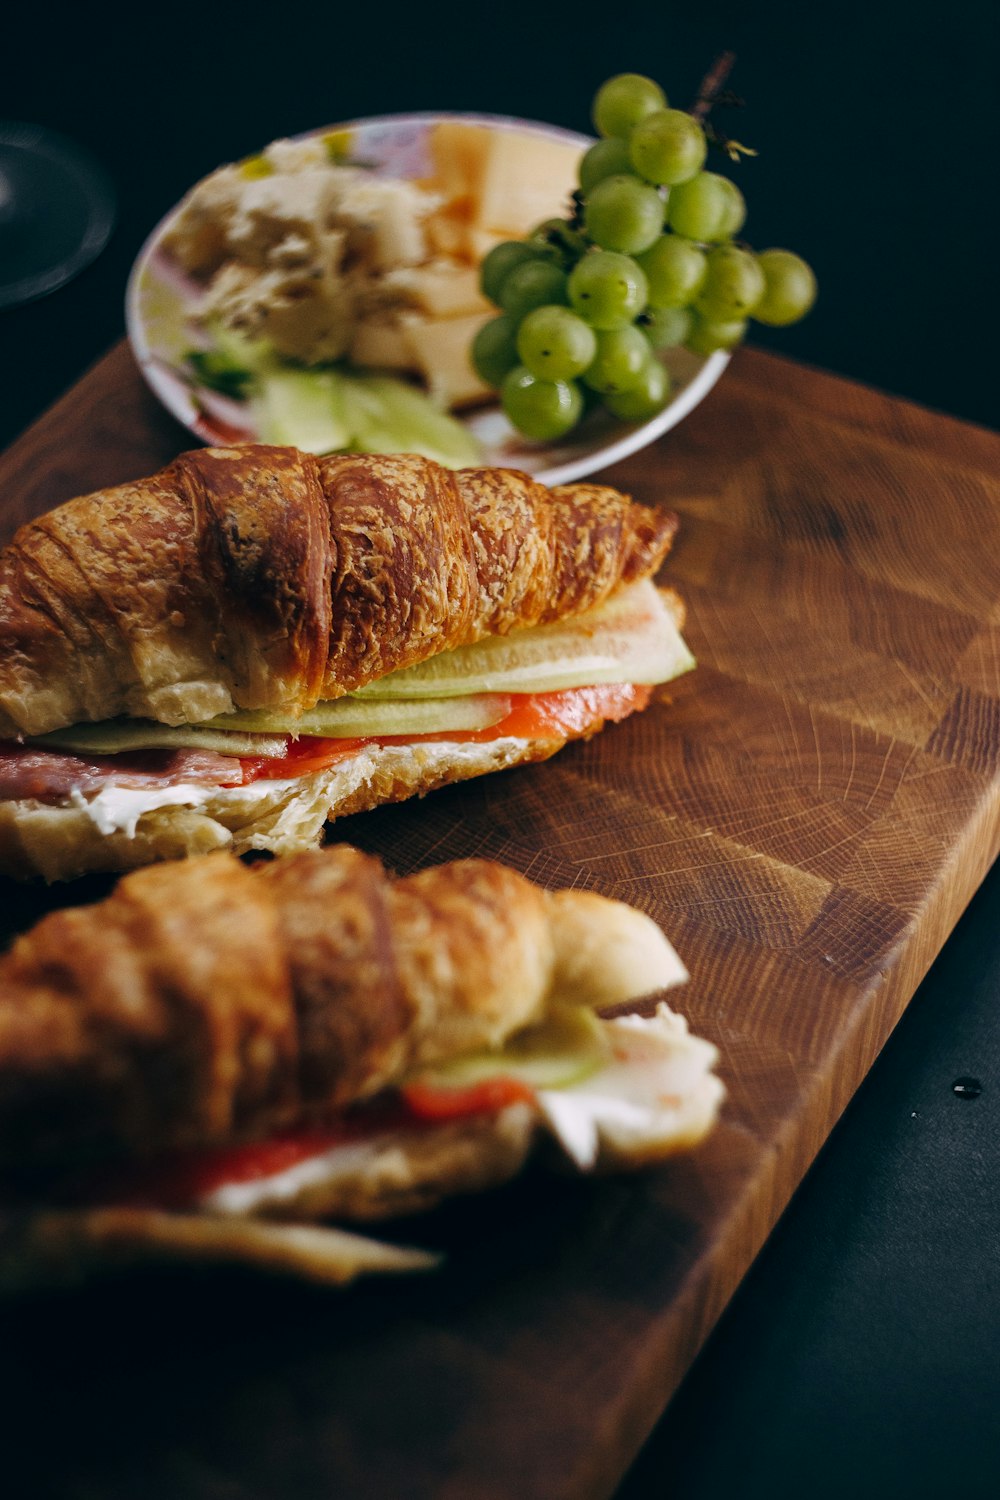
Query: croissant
{"type": "Point", "coordinates": [258, 578]}
{"type": "Point", "coordinates": [210, 1005]}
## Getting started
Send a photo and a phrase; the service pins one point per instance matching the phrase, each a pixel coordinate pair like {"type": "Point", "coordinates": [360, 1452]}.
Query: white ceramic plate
{"type": "Point", "coordinates": [161, 303]}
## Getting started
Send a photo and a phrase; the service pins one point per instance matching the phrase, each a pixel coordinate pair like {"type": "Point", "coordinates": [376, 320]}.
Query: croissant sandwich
{"type": "Point", "coordinates": [218, 1055]}
{"type": "Point", "coordinates": [256, 639]}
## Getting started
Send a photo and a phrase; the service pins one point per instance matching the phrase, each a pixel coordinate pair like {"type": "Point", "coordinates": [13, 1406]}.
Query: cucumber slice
{"type": "Point", "coordinates": [328, 410]}
{"type": "Point", "coordinates": [347, 718]}
{"type": "Point", "coordinates": [305, 409]}
{"type": "Point", "coordinates": [390, 416]}
{"type": "Point", "coordinates": [115, 736]}
{"type": "Point", "coordinates": [632, 637]}
{"type": "Point", "coordinates": [562, 1050]}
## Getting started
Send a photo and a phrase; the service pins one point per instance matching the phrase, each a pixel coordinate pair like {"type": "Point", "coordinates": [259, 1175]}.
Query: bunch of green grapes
{"type": "Point", "coordinates": [647, 262]}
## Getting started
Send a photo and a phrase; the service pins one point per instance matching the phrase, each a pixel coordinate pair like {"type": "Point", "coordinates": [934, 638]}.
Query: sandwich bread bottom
{"type": "Point", "coordinates": [400, 1174]}
{"type": "Point", "coordinates": [122, 830]}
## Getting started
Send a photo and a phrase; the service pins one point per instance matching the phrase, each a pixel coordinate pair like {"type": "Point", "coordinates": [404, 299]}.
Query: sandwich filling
{"type": "Point", "coordinates": [610, 1092]}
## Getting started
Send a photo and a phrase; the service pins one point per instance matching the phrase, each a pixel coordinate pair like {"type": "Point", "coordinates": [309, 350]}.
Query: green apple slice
{"type": "Point", "coordinates": [117, 736]}
{"type": "Point", "coordinates": [560, 1051]}
{"type": "Point", "coordinates": [350, 718]}
{"type": "Point", "coordinates": [632, 637]}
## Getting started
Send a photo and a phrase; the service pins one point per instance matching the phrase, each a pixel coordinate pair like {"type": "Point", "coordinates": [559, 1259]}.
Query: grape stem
{"type": "Point", "coordinates": [711, 93]}
{"type": "Point", "coordinates": [712, 85]}
{"type": "Point", "coordinates": [733, 149]}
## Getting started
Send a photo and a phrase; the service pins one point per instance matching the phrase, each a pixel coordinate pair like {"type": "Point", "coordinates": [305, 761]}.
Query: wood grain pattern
{"type": "Point", "coordinates": [807, 817]}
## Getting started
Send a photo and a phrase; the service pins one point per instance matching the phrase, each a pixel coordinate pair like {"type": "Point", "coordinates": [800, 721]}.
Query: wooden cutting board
{"type": "Point", "coordinates": [807, 819]}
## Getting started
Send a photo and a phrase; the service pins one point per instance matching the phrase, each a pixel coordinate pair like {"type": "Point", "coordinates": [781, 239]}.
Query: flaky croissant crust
{"type": "Point", "coordinates": [258, 576]}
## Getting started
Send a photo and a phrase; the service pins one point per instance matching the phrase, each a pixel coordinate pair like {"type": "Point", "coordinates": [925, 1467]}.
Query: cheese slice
{"type": "Point", "coordinates": [525, 179]}
{"type": "Point", "coordinates": [441, 352]}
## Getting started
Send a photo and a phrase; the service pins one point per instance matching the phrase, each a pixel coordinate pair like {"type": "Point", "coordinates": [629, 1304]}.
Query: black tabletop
{"type": "Point", "coordinates": [859, 1355]}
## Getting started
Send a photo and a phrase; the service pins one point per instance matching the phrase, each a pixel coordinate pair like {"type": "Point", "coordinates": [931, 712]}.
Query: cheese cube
{"type": "Point", "coordinates": [441, 349]}
{"type": "Point", "coordinates": [458, 151]}
{"type": "Point", "coordinates": [448, 230]}
{"type": "Point", "coordinates": [383, 345]}
{"type": "Point", "coordinates": [525, 179]}
{"type": "Point", "coordinates": [446, 290]}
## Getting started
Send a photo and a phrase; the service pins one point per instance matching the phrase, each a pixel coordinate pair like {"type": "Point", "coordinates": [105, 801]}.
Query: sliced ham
{"type": "Point", "coordinates": [50, 776]}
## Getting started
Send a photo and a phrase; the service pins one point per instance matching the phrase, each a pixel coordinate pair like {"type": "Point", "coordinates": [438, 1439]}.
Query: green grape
{"type": "Point", "coordinates": [623, 101]}
{"type": "Point", "coordinates": [501, 260]}
{"type": "Point", "coordinates": [733, 285]}
{"type": "Point", "coordinates": [698, 208]}
{"type": "Point", "coordinates": [607, 290]}
{"type": "Point", "coordinates": [668, 147]}
{"type": "Point", "coordinates": [542, 409]}
{"type": "Point", "coordinates": [645, 399]}
{"type": "Point", "coordinates": [735, 212]}
{"type": "Point", "coordinates": [789, 288]}
{"type": "Point", "coordinates": [494, 349]}
{"type": "Point", "coordinates": [561, 240]}
{"type": "Point", "coordinates": [667, 327]}
{"type": "Point", "coordinates": [622, 355]}
{"type": "Point", "coordinates": [623, 214]}
{"type": "Point", "coordinates": [605, 158]}
{"type": "Point", "coordinates": [648, 261]}
{"type": "Point", "coordinates": [675, 269]}
{"type": "Point", "coordinates": [709, 334]}
{"type": "Point", "coordinates": [555, 344]}
{"type": "Point", "coordinates": [532, 284]}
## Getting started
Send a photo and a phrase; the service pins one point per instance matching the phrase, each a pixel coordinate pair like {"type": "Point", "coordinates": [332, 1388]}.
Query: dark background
{"type": "Point", "coordinates": [860, 1356]}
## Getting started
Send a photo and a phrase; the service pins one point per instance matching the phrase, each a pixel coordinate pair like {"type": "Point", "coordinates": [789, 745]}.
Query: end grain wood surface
{"type": "Point", "coordinates": [807, 818]}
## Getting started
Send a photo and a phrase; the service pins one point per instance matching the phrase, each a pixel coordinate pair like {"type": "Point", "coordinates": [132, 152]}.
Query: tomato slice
{"type": "Point", "coordinates": [187, 1176]}
{"type": "Point", "coordinates": [177, 1179]}
{"type": "Point", "coordinates": [430, 1101]}
{"type": "Point", "coordinates": [301, 757]}
{"type": "Point", "coordinates": [539, 716]}
{"type": "Point", "coordinates": [573, 711]}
